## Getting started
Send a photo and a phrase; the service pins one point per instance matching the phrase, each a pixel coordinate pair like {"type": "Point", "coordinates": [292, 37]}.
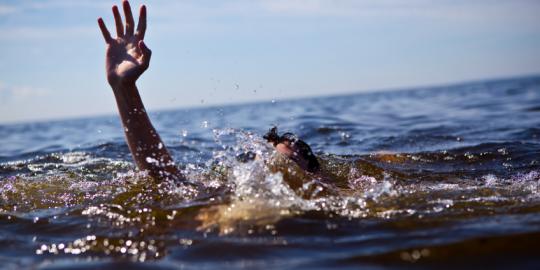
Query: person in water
{"type": "Point", "coordinates": [127, 58]}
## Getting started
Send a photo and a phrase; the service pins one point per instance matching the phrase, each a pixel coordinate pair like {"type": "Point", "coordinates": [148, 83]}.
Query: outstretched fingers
{"type": "Point", "coordinates": [130, 24]}
{"type": "Point", "coordinates": [141, 27]}
{"type": "Point", "coordinates": [118, 22]}
{"type": "Point", "coordinates": [104, 31]}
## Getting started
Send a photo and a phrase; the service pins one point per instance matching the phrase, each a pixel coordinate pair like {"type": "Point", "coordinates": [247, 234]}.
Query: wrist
{"type": "Point", "coordinates": [120, 85]}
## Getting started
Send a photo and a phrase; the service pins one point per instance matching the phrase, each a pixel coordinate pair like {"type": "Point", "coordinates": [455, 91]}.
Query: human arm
{"type": "Point", "coordinates": [127, 57]}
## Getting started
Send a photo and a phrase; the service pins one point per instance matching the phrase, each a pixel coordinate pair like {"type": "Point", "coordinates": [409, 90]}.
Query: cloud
{"type": "Point", "coordinates": [463, 12]}
{"type": "Point", "coordinates": [9, 92]}
{"type": "Point", "coordinates": [22, 7]}
{"type": "Point", "coordinates": [55, 4]}
{"type": "Point", "coordinates": [487, 14]}
{"type": "Point", "coordinates": [49, 19]}
{"type": "Point", "coordinates": [207, 16]}
{"type": "Point", "coordinates": [46, 32]}
{"type": "Point", "coordinates": [7, 9]}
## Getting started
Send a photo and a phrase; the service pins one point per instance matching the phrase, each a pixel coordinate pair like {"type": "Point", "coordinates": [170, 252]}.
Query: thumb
{"type": "Point", "coordinates": [146, 53]}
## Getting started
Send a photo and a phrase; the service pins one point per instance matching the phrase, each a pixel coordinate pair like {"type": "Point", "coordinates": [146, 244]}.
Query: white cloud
{"type": "Point", "coordinates": [488, 14]}
{"type": "Point", "coordinates": [8, 92]}
{"type": "Point", "coordinates": [7, 9]}
{"type": "Point", "coordinates": [46, 32]}
{"type": "Point", "coordinates": [55, 4]}
{"type": "Point", "coordinates": [21, 7]}
{"type": "Point", "coordinates": [200, 16]}
{"type": "Point", "coordinates": [463, 12]}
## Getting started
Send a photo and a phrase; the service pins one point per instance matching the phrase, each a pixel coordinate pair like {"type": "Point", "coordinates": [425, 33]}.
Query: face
{"type": "Point", "coordinates": [285, 149]}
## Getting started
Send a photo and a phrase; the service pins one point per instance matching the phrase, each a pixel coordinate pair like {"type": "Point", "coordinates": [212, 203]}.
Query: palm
{"type": "Point", "coordinates": [124, 59]}
{"type": "Point", "coordinates": [127, 57]}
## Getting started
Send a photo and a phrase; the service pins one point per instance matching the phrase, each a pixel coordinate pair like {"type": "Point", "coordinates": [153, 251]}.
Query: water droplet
{"type": "Point", "coordinates": [345, 136]}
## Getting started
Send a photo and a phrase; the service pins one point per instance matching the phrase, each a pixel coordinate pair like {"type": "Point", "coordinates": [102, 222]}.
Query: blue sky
{"type": "Point", "coordinates": [219, 52]}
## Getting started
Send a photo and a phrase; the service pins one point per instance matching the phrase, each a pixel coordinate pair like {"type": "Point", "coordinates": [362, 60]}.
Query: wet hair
{"type": "Point", "coordinates": [301, 149]}
{"type": "Point", "coordinates": [272, 136]}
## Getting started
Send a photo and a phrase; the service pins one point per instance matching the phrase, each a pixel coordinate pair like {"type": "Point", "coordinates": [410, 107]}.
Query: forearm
{"type": "Point", "coordinates": [147, 148]}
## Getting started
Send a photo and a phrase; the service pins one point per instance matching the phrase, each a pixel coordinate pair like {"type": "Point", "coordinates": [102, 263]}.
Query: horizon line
{"type": "Point", "coordinates": [293, 98]}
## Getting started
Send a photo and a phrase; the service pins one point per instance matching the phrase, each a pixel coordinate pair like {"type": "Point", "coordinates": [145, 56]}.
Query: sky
{"type": "Point", "coordinates": [221, 52]}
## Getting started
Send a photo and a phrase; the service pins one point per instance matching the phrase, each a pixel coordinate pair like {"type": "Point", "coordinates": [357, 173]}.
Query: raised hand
{"type": "Point", "coordinates": [127, 56]}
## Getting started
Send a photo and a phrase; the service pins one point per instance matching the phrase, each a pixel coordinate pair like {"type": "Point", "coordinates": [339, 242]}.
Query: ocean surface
{"type": "Point", "coordinates": [432, 178]}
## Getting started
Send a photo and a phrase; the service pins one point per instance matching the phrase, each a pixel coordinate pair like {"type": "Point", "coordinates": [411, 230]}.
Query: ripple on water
{"type": "Point", "coordinates": [434, 178]}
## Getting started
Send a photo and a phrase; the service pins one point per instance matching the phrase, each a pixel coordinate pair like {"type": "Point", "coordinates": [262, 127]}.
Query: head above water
{"type": "Point", "coordinates": [296, 149]}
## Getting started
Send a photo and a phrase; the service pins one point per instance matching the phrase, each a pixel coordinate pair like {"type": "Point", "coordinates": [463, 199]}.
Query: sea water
{"type": "Point", "coordinates": [443, 177]}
